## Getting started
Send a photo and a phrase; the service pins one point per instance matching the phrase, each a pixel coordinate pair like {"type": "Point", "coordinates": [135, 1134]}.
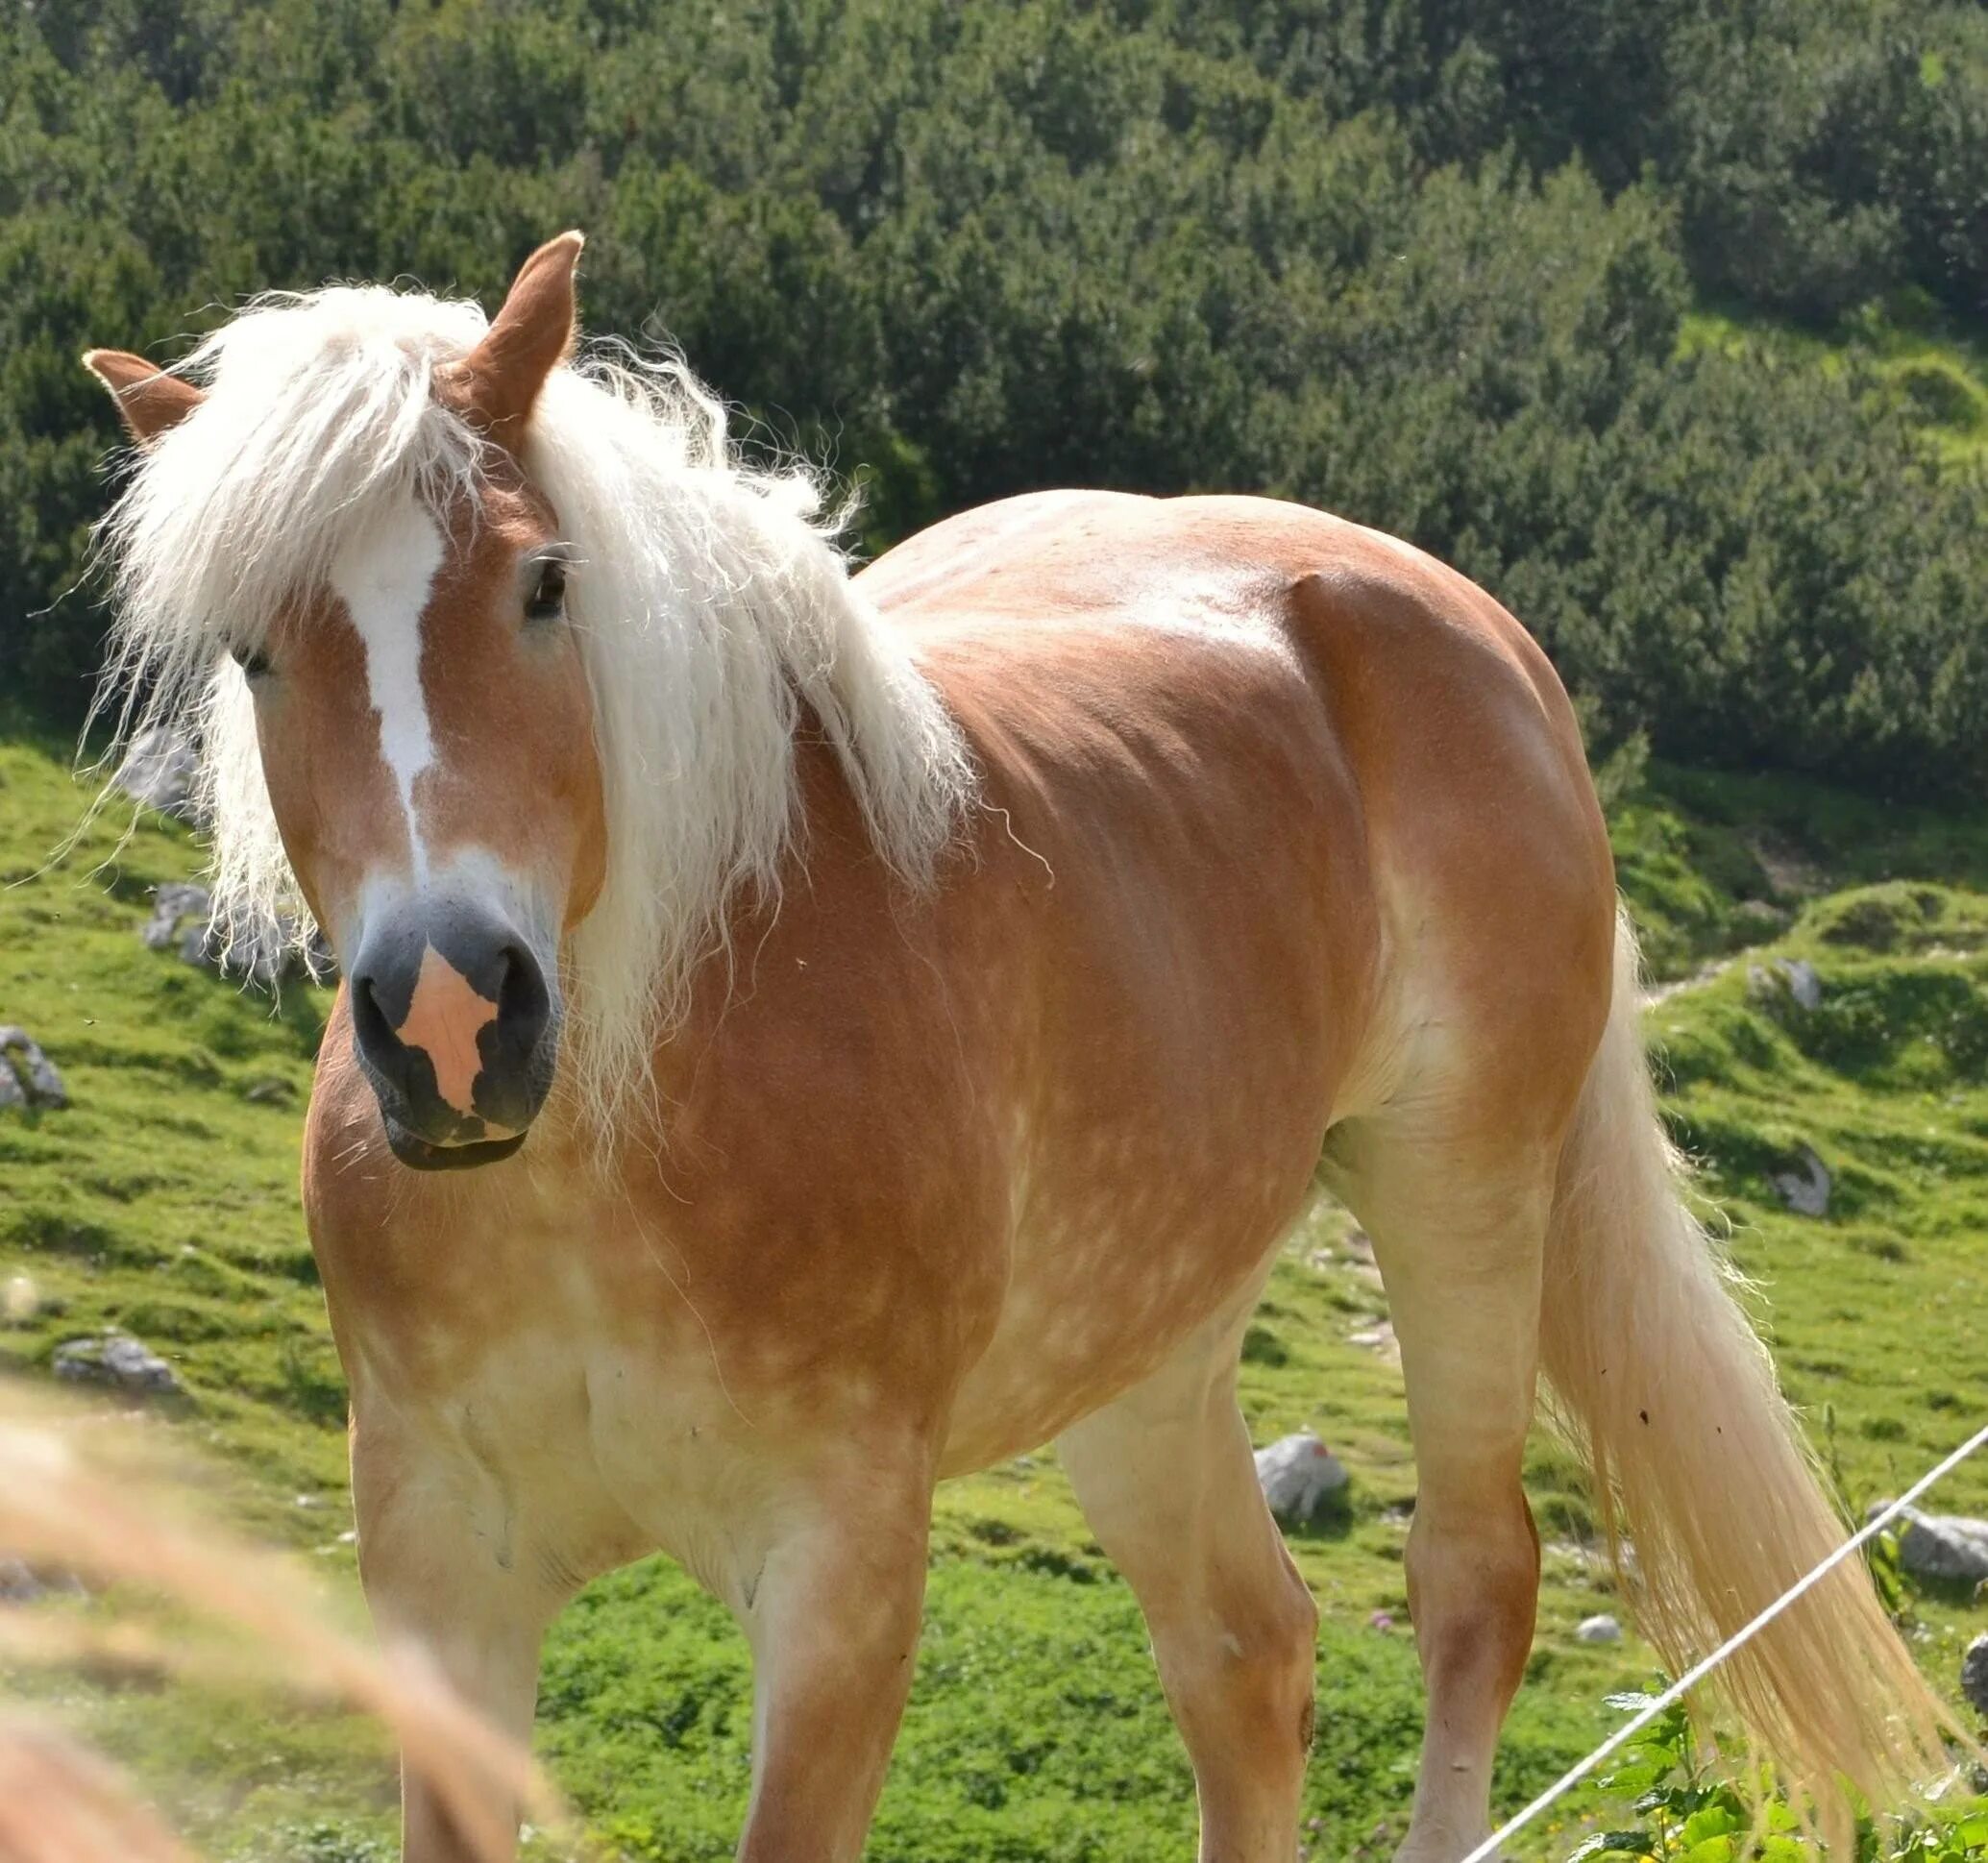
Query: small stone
{"type": "Point", "coordinates": [274, 1092]}
{"type": "Point", "coordinates": [1805, 1190]}
{"type": "Point", "coordinates": [1785, 980]}
{"type": "Point", "coordinates": [1974, 1675]}
{"type": "Point", "coordinates": [28, 1072]}
{"type": "Point", "coordinates": [262, 955]}
{"type": "Point", "coordinates": [119, 1361]}
{"type": "Point", "coordinates": [183, 920]}
{"type": "Point", "coordinates": [1297, 1473]}
{"type": "Point", "coordinates": [173, 905]}
{"type": "Point", "coordinates": [1601, 1628]}
{"type": "Point", "coordinates": [159, 770]}
{"type": "Point", "coordinates": [1947, 1547]}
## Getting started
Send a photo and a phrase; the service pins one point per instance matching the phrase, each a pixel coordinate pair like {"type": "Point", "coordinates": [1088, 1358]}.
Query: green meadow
{"type": "Point", "coordinates": [163, 1201]}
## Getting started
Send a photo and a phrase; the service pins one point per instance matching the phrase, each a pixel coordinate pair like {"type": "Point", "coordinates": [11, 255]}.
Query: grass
{"type": "Point", "coordinates": [163, 1200]}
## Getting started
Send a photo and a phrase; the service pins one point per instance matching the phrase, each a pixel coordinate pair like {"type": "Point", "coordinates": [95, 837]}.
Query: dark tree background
{"type": "Point", "coordinates": [1422, 262]}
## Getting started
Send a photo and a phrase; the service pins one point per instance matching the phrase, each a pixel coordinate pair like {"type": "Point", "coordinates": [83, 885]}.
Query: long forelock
{"type": "Point", "coordinates": [318, 412]}
{"type": "Point", "coordinates": [711, 599]}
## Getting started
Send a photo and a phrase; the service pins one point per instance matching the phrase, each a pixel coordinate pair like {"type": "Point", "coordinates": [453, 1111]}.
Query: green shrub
{"type": "Point", "coordinates": [1424, 264]}
{"type": "Point", "coordinates": [1671, 1810]}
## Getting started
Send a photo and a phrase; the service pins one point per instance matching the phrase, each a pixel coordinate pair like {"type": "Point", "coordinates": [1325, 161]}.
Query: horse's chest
{"type": "Point", "coordinates": [552, 1373]}
{"type": "Point", "coordinates": [575, 1448]}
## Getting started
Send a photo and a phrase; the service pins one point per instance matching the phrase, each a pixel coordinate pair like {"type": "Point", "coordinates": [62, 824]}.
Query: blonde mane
{"type": "Point", "coordinates": [711, 602]}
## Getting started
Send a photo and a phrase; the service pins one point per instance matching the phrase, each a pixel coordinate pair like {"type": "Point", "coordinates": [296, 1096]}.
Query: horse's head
{"type": "Point", "coordinates": [422, 710]}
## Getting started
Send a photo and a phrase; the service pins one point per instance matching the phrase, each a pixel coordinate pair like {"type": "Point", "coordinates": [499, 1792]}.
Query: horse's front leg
{"type": "Point", "coordinates": [833, 1614]}
{"type": "Point", "coordinates": [442, 1567]}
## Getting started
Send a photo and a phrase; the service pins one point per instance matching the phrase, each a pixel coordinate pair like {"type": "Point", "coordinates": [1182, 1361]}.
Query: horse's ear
{"type": "Point", "coordinates": [497, 381]}
{"type": "Point", "coordinates": [148, 399]}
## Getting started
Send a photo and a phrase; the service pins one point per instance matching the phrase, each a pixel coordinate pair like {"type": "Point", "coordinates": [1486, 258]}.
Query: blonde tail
{"type": "Point", "coordinates": [1697, 1459]}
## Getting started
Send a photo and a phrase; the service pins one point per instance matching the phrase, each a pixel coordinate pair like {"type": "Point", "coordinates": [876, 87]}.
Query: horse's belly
{"type": "Point", "coordinates": [1102, 1297]}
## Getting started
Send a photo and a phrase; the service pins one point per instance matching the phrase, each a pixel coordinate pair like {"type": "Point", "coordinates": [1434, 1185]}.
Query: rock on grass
{"type": "Point", "coordinates": [1806, 1190]}
{"type": "Point", "coordinates": [1949, 1547]}
{"type": "Point", "coordinates": [1974, 1675]}
{"type": "Point", "coordinates": [118, 1360]}
{"type": "Point", "coordinates": [1298, 1475]}
{"type": "Point", "coordinates": [27, 1075]}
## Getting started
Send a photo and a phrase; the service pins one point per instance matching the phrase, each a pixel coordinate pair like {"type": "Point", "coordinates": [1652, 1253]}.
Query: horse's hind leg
{"type": "Point", "coordinates": [1459, 1232]}
{"type": "Point", "coordinates": [1166, 1480]}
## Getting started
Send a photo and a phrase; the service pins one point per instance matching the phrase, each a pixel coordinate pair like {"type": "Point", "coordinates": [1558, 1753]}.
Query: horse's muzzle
{"type": "Point", "coordinates": [457, 1027]}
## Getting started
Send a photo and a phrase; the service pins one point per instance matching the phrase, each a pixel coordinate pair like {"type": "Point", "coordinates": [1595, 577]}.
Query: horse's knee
{"type": "Point", "coordinates": [1246, 1666]}
{"type": "Point", "coordinates": [1271, 1625]}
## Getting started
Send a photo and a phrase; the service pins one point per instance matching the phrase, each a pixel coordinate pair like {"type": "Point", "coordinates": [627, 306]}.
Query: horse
{"type": "Point", "coordinates": [807, 1033]}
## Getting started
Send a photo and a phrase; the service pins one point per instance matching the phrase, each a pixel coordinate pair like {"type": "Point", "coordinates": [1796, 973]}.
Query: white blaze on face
{"type": "Point", "coordinates": [384, 576]}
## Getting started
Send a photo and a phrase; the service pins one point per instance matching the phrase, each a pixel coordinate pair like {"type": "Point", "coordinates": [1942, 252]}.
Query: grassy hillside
{"type": "Point", "coordinates": [163, 1200]}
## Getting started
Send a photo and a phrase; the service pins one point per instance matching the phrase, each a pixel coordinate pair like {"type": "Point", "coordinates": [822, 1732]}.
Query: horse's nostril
{"type": "Point", "coordinates": [368, 1020]}
{"type": "Point", "coordinates": [521, 998]}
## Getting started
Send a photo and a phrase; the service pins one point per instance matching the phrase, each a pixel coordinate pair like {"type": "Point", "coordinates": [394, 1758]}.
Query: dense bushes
{"type": "Point", "coordinates": [1421, 263]}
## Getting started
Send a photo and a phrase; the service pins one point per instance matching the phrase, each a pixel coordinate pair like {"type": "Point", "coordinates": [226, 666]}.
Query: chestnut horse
{"type": "Point", "coordinates": [805, 1036]}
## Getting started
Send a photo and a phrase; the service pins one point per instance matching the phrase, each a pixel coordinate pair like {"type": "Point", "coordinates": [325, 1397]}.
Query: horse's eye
{"type": "Point", "coordinates": [251, 660]}
{"type": "Point", "coordinates": [547, 600]}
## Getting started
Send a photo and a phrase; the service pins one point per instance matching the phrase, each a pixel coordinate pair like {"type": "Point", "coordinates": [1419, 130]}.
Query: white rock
{"type": "Point", "coordinates": [1601, 1629]}
{"type": "Point", "coordinates": [1947, 1546]}
{"type": "Point", "coordinates": [1297, 1473]}
{"type": "Point", "coordinates": [118, 1360]}
{"type": "Point", "coordinates": [172, 903]}
{"type": "Point", "coordinates": [159, 771]}
{"type": "Point", "coordinates": [1806, 1190]}
{"type": "Point", "coordinates": [27, 1075]}
{"type": "Point", "coordinates": [265, 953]}
{"type": "Point", "coordinates": [1787, 979]}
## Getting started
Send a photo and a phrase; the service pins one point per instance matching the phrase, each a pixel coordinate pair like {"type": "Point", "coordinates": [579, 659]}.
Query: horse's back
{"type": "Point", "coordinates": [1316, 677]}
